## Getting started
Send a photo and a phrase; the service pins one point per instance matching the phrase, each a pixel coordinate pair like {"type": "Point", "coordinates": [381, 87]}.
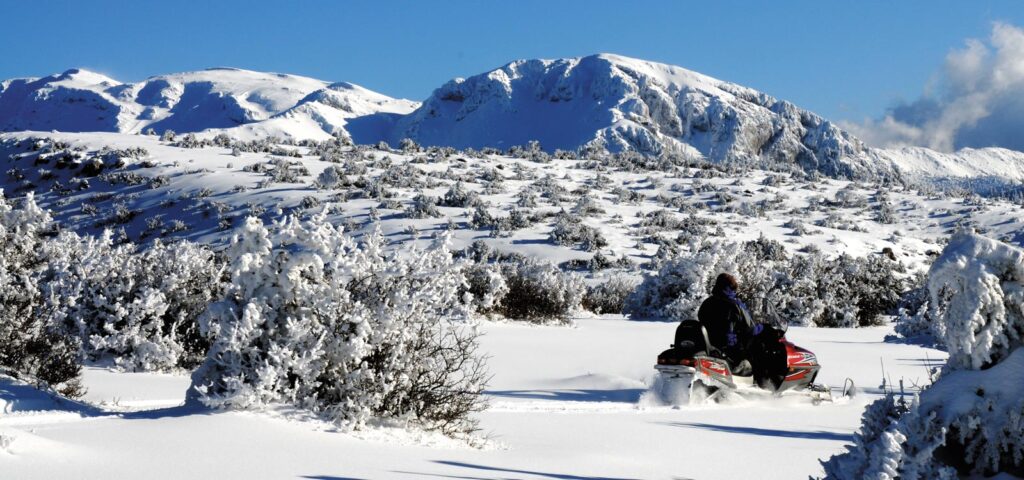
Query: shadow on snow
{"type": "Point", "coordinates": [769, 432]}
{"type": "Point", "coordinates": [626, 395]}
{"type": "Point", "coordinates": [503, 472]}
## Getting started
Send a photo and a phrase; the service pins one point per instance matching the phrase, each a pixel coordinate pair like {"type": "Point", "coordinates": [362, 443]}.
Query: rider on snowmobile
{"type": "Point", "coordinates": [728, 323]}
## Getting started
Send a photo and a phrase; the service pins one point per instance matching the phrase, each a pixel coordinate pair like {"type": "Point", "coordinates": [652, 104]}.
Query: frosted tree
{"type": "Point", "coordinates": [970, 421]}
{"type": "Point", "coordinates": [346, 330]}
{"type": "Point", "coordinates": [137, 308]}
{"type": "Point", "coordinates": [30, 345]}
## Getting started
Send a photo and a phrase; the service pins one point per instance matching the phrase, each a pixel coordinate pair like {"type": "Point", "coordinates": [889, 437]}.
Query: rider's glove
{"type": "Point", "coordinates": [758, 329]}
{"type": "Point", "coordinates": [731, 339]}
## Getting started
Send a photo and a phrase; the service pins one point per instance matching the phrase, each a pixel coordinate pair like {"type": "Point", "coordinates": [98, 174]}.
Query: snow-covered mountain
{"type": "Point", "coordinates": [221, 98]}
{"type": "Point", "coordinates": [621, 104]}
{"type": "Point", "coordinates": [339, 108]}
{"type": "Point", "coordinates": [600, 101]}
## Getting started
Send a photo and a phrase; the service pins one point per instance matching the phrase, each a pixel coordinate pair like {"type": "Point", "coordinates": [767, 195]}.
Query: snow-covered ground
{"type": "Point", "coordinates": [565, 403]}
{"type": "Point", "coordinates": [725, 163]}
{"type": "Point", "coordinates": [602, 101]}
{"type": "Point", "coordinates": [200, 193]}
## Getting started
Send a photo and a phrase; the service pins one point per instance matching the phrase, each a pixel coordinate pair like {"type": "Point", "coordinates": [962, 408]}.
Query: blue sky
{"type": "Point", "coordinates": [844, 60]}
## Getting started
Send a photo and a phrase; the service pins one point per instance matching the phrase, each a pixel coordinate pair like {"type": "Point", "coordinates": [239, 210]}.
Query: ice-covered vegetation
{"type": "Point", "coordinates": [31, 345]}
{"type": "Point", "coordinates": [303, 314]}
{"type": "Point", "coordinates": [970, 421]}
{"type": "Point", "coordinates": [806, 289]}
{"type": "Point", "coordinates": [346, 330]}
{"type": "Point", "coordinates": [142, 273]}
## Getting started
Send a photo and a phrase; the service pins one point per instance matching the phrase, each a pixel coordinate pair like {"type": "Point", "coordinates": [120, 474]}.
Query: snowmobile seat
{"type": "Point", "coordinates": [691, 339]}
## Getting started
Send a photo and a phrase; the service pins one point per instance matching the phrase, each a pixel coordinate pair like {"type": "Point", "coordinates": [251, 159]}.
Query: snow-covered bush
{"type": "Point", "coordinates": [423, 206]}
{"type": "Point", "coordinates": [805, 289]}
{"type": "Point", "coordinates": [609, 296]}
{"type": "Point", "coordinates": [681, 283]}
{"type": "Point", "coordinates": [976, 298]}
{"type": "Point", "coordinates": [570, 230]}
{"type": "Point", "coordinates": [31, 345]}
{"type": "Point", "coordinates": [458, 196]}
{"type": "Point", "coordinates": [970, 421]}
{"type": "Point", "coordinates": [913, 320]}
{"type": "Point", "coordinates": [331, 177]}
{"type": "Point", "coordinates": [486, 286]}
{"type": "Point", "coordinates": [138, 308]}
{"type": "Point", "coordinates": [529, 289]}
{"type": "Point", "coordinates": [343, 329]}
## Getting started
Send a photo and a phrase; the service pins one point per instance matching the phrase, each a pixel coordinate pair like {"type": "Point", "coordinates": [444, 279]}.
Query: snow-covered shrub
{"type": "Point", "coordinates": [884, 212]}
{"type": "Point", "coordinates": [31, 345]}
{"type": "Point", "coordinates": [539, 291]}
{"type": "Point", "coordinates": [970, 421]}
{"type": "Point", "coordinates": [342, 329]}
{"type": "Point", "coordinates": [138, 308]}
{"type": "Point", "coordinates": [844, 291]}
{"type": "Point", "coordinates": [423, 206]}
{"type": "Point", "coordinates": [870, 456]}
{"type": "Point", "coordinates": [849, 197]}
{"type": "Point", "coordinates": [610, 295]}
{"type": "Point", "coordinates": [570, 230]}
{"type": "Point", "coordinates": [912, 320]}
{"type": "Point", "coordinates": [681, 283]}
{"type": "Point", "coordinates": [486, 286]}
{"type": "Point", "coordinates": [805, 289]}
{"type": "Point", "coordinates": [976, 298]}
{"type": "Point", "coordinates": [587, 206]}
{"type": "Point", "coordinates": [331, 177]}
{"type": "Point", "coordinates": [285, 171]}
{"type": "Point", "coordinates": [458, 196]}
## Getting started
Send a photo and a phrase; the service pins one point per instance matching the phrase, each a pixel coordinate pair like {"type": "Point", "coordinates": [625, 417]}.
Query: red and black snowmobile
{"type": "Point", "coordinates": [693, 371]}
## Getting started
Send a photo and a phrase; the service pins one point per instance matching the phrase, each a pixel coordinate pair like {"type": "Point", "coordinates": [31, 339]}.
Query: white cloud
{"type": "Point", "coordinates": [977, 101]}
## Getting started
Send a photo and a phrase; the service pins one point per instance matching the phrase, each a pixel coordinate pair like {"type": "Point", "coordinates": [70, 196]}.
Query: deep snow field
{"type": "Point", "coordinates": [565, 403]}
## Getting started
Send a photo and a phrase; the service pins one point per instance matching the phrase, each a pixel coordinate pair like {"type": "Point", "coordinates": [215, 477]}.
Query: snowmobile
{"type": "Point", "coordinates": [693, 371]}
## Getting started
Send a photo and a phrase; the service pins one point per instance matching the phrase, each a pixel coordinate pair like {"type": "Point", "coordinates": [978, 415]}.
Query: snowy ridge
{"type": "Point", "coordinates": [218, 99]}
{"type": "Point", "coordinates": [339, 109]}
{"type": "Point", "coordinates": [599, 102]}
{"type": "Point", "coordinates": [982, 170]}
{"type": "Point", "coordinates": [621, 103]}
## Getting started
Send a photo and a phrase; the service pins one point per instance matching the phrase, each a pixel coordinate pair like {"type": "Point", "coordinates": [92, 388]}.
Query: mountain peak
{"type": "Point", "coordinates": [620, 103]}
{"type": "Point", "coordinates": [84, 76]}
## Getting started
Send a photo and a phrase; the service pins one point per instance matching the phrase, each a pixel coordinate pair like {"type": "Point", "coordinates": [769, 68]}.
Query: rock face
{"type": "Point", "coordinates": [622, 104]}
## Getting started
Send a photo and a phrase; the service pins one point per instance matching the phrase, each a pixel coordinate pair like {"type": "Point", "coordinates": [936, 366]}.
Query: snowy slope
{"type": "Point", "coordinates": [982, 170]}
{"type": "Point", "coordinates": [565, 407]}
{"type": "Point", "coordinates": [340, 108]}
{"type": "Point", "coordinates": [218, 98]}
{"type": "Point", "coordinates": [622, 103]}
{"type": "Point", "coordinates": [601, 101]}
{"type": "Point", "coordinates": [76, 100]}
{"type": "Point", "coordinates": [189, 192]}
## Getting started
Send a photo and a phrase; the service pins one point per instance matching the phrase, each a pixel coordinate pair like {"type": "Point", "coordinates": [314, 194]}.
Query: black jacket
{"type": "Point", "coordinates": [720, 316]}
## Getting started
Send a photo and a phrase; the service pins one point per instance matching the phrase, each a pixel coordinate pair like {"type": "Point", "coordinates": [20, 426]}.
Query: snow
{"type": "Point", "coordinates": [922, 220]}
{"type": "Point", "coordinates": [566, 406]}
{"type": "Point", "coordinates": [1002, 381]}
{"type": "Point", "coordinates": [971, 419]}
{"type": "Point", "coordinates": [564, 402]}
{"type": "Point", "coordinates": [213, 100]}
{"type": "Point", "coordinates": [602, 101]}
{"type": "Point", "coordinates": [345, 108]}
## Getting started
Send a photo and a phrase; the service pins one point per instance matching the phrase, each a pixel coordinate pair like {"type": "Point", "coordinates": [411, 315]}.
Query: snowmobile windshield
{"type": "Point", "coordinates": [772, 319]}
